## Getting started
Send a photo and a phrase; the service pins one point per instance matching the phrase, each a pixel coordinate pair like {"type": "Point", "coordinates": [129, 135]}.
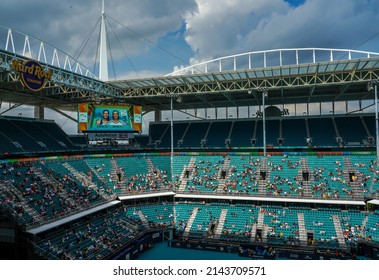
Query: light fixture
{"type": "Point", "coordinates": [372, 85]}
{"type": "Point", "coordinates": [172, 95]}
{"type": "Point", "coordinates": [264, 91]}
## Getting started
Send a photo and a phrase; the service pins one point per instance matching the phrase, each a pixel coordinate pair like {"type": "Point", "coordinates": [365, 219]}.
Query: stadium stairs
{"type": "Point", "coordinates": [189, 169]}
{"type": "Point", "coordinates": [56, 184]}
{"type": "Point", "coordinates": [338, 229]}
{"type": "Point", "coordinates": [306, 183]}
{"type": "Point", "coordinates": [302, 229]}
{"type": "Point", "coordinates": [143, 219]}
{"type": "Point", "coordinates": [353, 183]}
{"type": "Point", "coordinates": [84, 179]}
{"type": "Point", "coordinates": [260, 226]}
{"type": "Point", "coordinates": [262, 181]}
{"type": "Point", "coordinates": [222, 177]}
{"type": "Point", "coordinates": [220, 223]}
{"type": "Point", "coordinates": [190, 222]}
{"type": "Point", "coordinates": [118, 175]}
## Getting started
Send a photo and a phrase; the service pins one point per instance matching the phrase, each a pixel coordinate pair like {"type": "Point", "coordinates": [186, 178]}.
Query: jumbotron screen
{"type": "Point", "coordinates": [108, 118]}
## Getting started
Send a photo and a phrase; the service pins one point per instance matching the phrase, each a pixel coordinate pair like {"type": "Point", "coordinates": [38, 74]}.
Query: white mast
{"type": "Point", "coordinates": [103, 68]}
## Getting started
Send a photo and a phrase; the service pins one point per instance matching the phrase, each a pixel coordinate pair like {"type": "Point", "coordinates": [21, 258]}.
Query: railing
{"type": "Point", "coordinates": [271, 58]}
{"type": "Point", "coordinates": [220, 195]}
{"type": "Point", "coordinates": [31, 47]}
{"type": "Point", "coordinates": [63, 215]}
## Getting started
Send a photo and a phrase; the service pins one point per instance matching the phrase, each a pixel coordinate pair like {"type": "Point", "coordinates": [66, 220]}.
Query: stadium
{"type": "Point", "coordinates": [292, 174]}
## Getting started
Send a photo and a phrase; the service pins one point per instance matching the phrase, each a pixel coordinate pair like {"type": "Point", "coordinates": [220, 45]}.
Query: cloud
{"type": "Point", "coordinates": [212, 28]}
{"type": "Point", "coordinates": [140, 74]}
{"type": "Point", "coordinates": [223, 27]}
{"type": "Point", "coordinates": [321, 23]}
{"type": "Point", "coordinates": [134, 27]}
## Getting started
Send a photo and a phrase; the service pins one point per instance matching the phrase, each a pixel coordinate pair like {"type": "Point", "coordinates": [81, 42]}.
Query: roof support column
{"type": "Point", "coordinates": [157, 115]}
{"type": "Point", "coordinates": [39, 112]}
{"type": "Point", "coordinates": [373, 86]}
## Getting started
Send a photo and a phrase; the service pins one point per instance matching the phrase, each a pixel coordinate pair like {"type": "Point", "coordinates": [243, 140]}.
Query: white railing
{"type": "Point", "coordinates": [272, 58]}
{"type": "Point", "coordinates": [28, 46]}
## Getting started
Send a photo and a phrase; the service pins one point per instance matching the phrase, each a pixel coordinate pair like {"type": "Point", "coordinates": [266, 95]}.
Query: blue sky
{"type": "Point", "coordinates": [153, 37]}
{"type": "Point", "coordinates": [295, 3]}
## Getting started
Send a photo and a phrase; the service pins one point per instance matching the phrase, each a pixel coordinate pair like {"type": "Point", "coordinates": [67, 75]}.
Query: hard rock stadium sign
{"type": "Point", "coordinates": [32, 74]}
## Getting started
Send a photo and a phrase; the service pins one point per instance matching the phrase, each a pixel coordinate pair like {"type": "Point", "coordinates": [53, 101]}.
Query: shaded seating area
{"type": "Point", "coordinates": [26, 135]}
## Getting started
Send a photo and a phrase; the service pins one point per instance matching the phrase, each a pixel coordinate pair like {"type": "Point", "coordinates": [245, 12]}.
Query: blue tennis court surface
{"type": "Point", "coordinates": [163, 252]}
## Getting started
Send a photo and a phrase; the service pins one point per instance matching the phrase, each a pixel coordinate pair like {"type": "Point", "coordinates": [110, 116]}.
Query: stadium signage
{"type": "Point", "coordinates": [32, 74]}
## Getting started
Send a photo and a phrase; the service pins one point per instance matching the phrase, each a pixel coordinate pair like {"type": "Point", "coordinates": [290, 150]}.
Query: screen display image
{"type": "Point", "coordinates": [126, 118]}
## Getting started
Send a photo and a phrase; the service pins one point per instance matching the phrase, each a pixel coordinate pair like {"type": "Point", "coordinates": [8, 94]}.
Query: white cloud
{"type": "Point", "coordinates": [140, 74]}
{"type": "Point", "coordinates": [73, 26]}
{"type": "Point", "coordinates": [223, 27]}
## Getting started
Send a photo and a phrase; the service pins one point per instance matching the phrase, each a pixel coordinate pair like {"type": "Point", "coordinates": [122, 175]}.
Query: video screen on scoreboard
{"type": "Point", "coordinates": [117, 118]}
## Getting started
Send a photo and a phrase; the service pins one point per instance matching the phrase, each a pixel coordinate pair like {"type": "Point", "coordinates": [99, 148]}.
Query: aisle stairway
{"type": "Point", "coordinates": [190, 222]}
{"type": "Point", "coordinates": [302, 229]}
{"type": "Point", "coordinates": [183, 179]}
{"type": "Point", "coordinates": [338, 229]}
{"type": "Point", "coordinates": [221, 181]}
{"type": "Point", "coordinates": [85, 180]}
{"type": "Point", "coordinates": [221, 222]}
{"type": "Point", "coordinates": [261, 226]}
{"type": "Point", "coordinates": [51, 180]}
{"type": "Point", "coordinates": [262, 182]}
{"type": "Point", "coordinates": [349, 168]}
{"type": "Point", "coordinates": [143, 219]}
{"type": "Point", "coordinates": [307, 189]}
{"type": "Point", "coordinates": [121, 182]}
{"type": "Point", "coordinates": [19, 198]}
{"type": "Point", "coordinates": [253, 231]}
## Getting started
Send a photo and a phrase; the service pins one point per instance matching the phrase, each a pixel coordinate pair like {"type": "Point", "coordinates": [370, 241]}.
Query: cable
{"type": "Point", "coordinates": [65, 121]}
{"type": "Point", "coordinates": [118, 40]}
{"type": "Point", "coordinates": [110, 49]}
{"type": "Point", "coordinates": [84, 43]}
{"type": "Point", "coordinates": [367, 40]}
{"type": "Point", "coordinates": [151, 42]}
{"type": "Point", "coordinates": [361, 44]}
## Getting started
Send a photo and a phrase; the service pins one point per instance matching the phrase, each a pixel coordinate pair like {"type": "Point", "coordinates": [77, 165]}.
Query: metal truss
{"type": "Point", "coordinates": [65, 86]}
{"type": "Point", "coordinates": [331, 80]}
{"type": "Point", "coordinates": [30, 47]}
{"type": "Point", "coordinates": [275, 78]}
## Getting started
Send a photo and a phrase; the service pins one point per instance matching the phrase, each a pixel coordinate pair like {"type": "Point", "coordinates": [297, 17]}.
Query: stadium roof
{"type": "Point", "coordinates": [306, 83]}
{"type": "Point", "coordinates": [147, 195]}
{"type": "Point", "coordinates": [297, 82]}
{"type": "Point", "coordinates": [374, 201]}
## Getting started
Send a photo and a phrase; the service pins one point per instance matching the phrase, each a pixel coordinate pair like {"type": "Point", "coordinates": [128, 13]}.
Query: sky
{"type": "Point", "coordinates": [153, 37]}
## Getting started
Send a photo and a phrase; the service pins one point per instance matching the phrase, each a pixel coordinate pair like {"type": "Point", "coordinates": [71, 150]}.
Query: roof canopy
{"type": "Point", "coordinates": [327, 81]}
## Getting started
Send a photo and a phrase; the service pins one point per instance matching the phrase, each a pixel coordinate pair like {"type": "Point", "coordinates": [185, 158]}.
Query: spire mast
{"type": "Point", "coordinates": [103, 68]}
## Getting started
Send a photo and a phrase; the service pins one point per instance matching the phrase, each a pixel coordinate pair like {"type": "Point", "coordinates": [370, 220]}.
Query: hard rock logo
{"type": "Point", "coordinates": [32, 74]}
